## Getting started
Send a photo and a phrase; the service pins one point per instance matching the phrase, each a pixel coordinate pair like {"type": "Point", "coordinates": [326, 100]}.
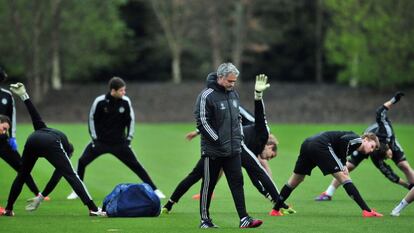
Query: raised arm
{"type": "Point", "coordinates": [261, 127]}
{"type": "Point", "coordinates": [20, 91]}
{"type": "Point", "coordinates": [384, 124]}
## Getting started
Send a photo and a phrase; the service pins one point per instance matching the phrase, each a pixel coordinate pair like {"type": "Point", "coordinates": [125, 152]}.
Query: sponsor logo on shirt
{"type": "Point", "coordinates": [121, 109]}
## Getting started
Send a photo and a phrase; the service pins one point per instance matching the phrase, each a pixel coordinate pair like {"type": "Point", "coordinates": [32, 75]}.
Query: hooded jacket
{"type": "Point", "coordinates": [218, 120]}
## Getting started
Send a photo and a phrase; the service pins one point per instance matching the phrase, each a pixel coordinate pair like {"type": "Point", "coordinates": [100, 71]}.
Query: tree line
{"type": "Point", "coordinates": [48, 43]}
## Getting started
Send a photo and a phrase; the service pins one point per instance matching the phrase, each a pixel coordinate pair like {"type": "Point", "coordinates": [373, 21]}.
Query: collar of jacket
{"type": "Point", "coordinates": [212, 83]}
{"type": "Point", "coordinates": [110, 98]}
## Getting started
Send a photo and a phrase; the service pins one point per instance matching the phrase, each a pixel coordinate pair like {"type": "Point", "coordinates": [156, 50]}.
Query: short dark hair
{"type": "Point", "coordinates": [382, 149]}
{"type": "Point", "coordinates": [272, 140]}
{"type": "Point", "coordinates": [4, 118]}
{"type": "Point", "coordinates": [116, 83]}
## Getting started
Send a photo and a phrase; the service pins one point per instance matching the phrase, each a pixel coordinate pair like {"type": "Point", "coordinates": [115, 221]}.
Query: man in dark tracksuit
{"type": "Point", "coordinates": [256, 143]}
{"type": "Point", "coordinates": [389, 149]}
{"type": "Point", "coordinates": [54, 146]}
{"type": "Point", "coordinates": [328, 150]}
{"type": "Point", "coordinates": [109, 117]}
{"type": "Point", "coordinates": [218, 120]}
{"type": "Point", "coordinates": [8, 151]}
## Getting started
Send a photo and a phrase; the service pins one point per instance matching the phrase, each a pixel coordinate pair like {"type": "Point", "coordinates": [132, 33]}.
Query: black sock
{"type": "Point", "coordinates": [284, 194]}
{"type": "Point", "coordinates": [354, 194]}
{"type": "Point", "coordinates": [169, 205]}
{"type": "Point", "coordinates": [91, 205]}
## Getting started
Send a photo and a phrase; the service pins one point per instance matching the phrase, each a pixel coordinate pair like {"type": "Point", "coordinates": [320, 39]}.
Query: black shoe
{"type": "Point", "coordinates": [249, 222]}
{"type": "Point", "coordinates": [9, 213]}
{"type": "Point", "coordinates": [207, 224]}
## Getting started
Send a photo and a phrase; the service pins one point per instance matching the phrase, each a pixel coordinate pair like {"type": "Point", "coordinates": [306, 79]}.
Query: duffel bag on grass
{"type": "Point", "coordinates": [132, 200]}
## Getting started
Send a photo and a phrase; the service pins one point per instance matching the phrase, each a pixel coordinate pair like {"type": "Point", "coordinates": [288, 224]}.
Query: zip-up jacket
{"type": "Point", "coordinates": [218, 121]}
{"type": "Point", "coordinates": [111, 120]}
{"type": "Point", "coordinates": [385, 133]}
{"type": "Point", "coordinates": [8, 108]}
{"type": "Point", "coordinates": [383, 128]}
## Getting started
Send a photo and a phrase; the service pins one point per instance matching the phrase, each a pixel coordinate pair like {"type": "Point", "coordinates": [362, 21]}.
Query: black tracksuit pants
{"type": "Point", "coordinates": [193, 177]}
{"type": "Point", "coordinates": [45, 144]}
{"type": "Point", "coordinates": [121, 151]}
{"type": "Point", "coordinates": [13, 158]}
{"type": "Point", "coordinates": [232, 169]}
{"type": "Point", "coordinates": [257, 174]}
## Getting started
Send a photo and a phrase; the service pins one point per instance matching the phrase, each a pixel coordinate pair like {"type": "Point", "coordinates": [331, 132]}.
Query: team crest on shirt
{"type": "Point", "coordinates": [105, 110]}
{"type": "Point", "coordinates": [121, 109]}
{"type": "Point", "coordinates": [235, 103]}
{"type": "Point", "coordinates": [222, 107]}
{"type": "Point", "coordinates": [4, 101]}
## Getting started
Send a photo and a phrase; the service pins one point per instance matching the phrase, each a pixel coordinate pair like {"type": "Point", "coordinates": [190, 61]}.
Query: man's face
{"type": "Point", "coordinates": [367, 146]}
{"type": "Point", "coordinates": [268, 152]}
{"type": "Point", "coordinates": [4, 128]}
{"type": "Point", "coordinates": [227, 82]}
{"type": "Point", "coordinates": [118, 94]}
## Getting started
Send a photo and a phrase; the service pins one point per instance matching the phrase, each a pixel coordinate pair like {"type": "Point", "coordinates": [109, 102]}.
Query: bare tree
{"type": "Point", "coordinates": [242, 13]}
{"type": "Point", "coordinates": [56, 77]}
{"type": "Point", "coordinates": [174, 17]}
{"type": "Point", "coordinates": [30, 44]}
{"type": "Point", "coordinates": [319, 41]}
{"type": "Point", "coordinates": [214, 32]}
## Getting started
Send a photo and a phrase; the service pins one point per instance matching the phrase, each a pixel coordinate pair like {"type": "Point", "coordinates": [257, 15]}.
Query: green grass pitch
{"type": "Point", "coordinates": [168, 157]}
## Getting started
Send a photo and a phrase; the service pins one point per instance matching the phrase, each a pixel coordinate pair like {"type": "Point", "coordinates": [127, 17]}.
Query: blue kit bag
{"type": "Point", "coordinates": [132, 200]}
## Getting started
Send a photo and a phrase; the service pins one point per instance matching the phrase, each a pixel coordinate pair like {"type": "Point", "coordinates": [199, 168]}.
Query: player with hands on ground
{"type": "Point", "coordinates": [8, 149]}
{"type": "Point", "coordinates": [389, 149]}
{"type": "Point", "coordinates": [55, 147]}
{"type": "Point", "coordinates": [328, 151]}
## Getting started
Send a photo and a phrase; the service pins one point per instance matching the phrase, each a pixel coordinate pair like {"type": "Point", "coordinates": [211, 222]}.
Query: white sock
{"type": "Point", "coordinates": [400, 206]}
{"type": "Point", "coordinates": [330, 190]}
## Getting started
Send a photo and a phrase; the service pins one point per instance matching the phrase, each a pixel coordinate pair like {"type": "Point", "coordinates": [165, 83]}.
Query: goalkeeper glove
{"type": "Point", "coordinates": [19, 90]}
{"type": "Point", "coordinates": [13, 143]}
{"type": "Point", "coordinates": [397, 97]}
{"type": "Point", "coordinates": [260, 85]}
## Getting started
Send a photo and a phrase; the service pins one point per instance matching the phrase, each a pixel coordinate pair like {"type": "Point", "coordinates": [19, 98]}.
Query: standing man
{"type": "Point", "coordinates": [328, 151]}
{"type": "Point", "coordinates": [111, 126]}
{"type": "Point", "coordinates": [258, 148]}
{"type": "Point", "coordinates": [54, 146]}
{"type": "Point", "coordinates": [389, 149]}
{"type": "Point", "coordinates": [8, 151]}
{"type": "Point", "coordinates": [218, 120]}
